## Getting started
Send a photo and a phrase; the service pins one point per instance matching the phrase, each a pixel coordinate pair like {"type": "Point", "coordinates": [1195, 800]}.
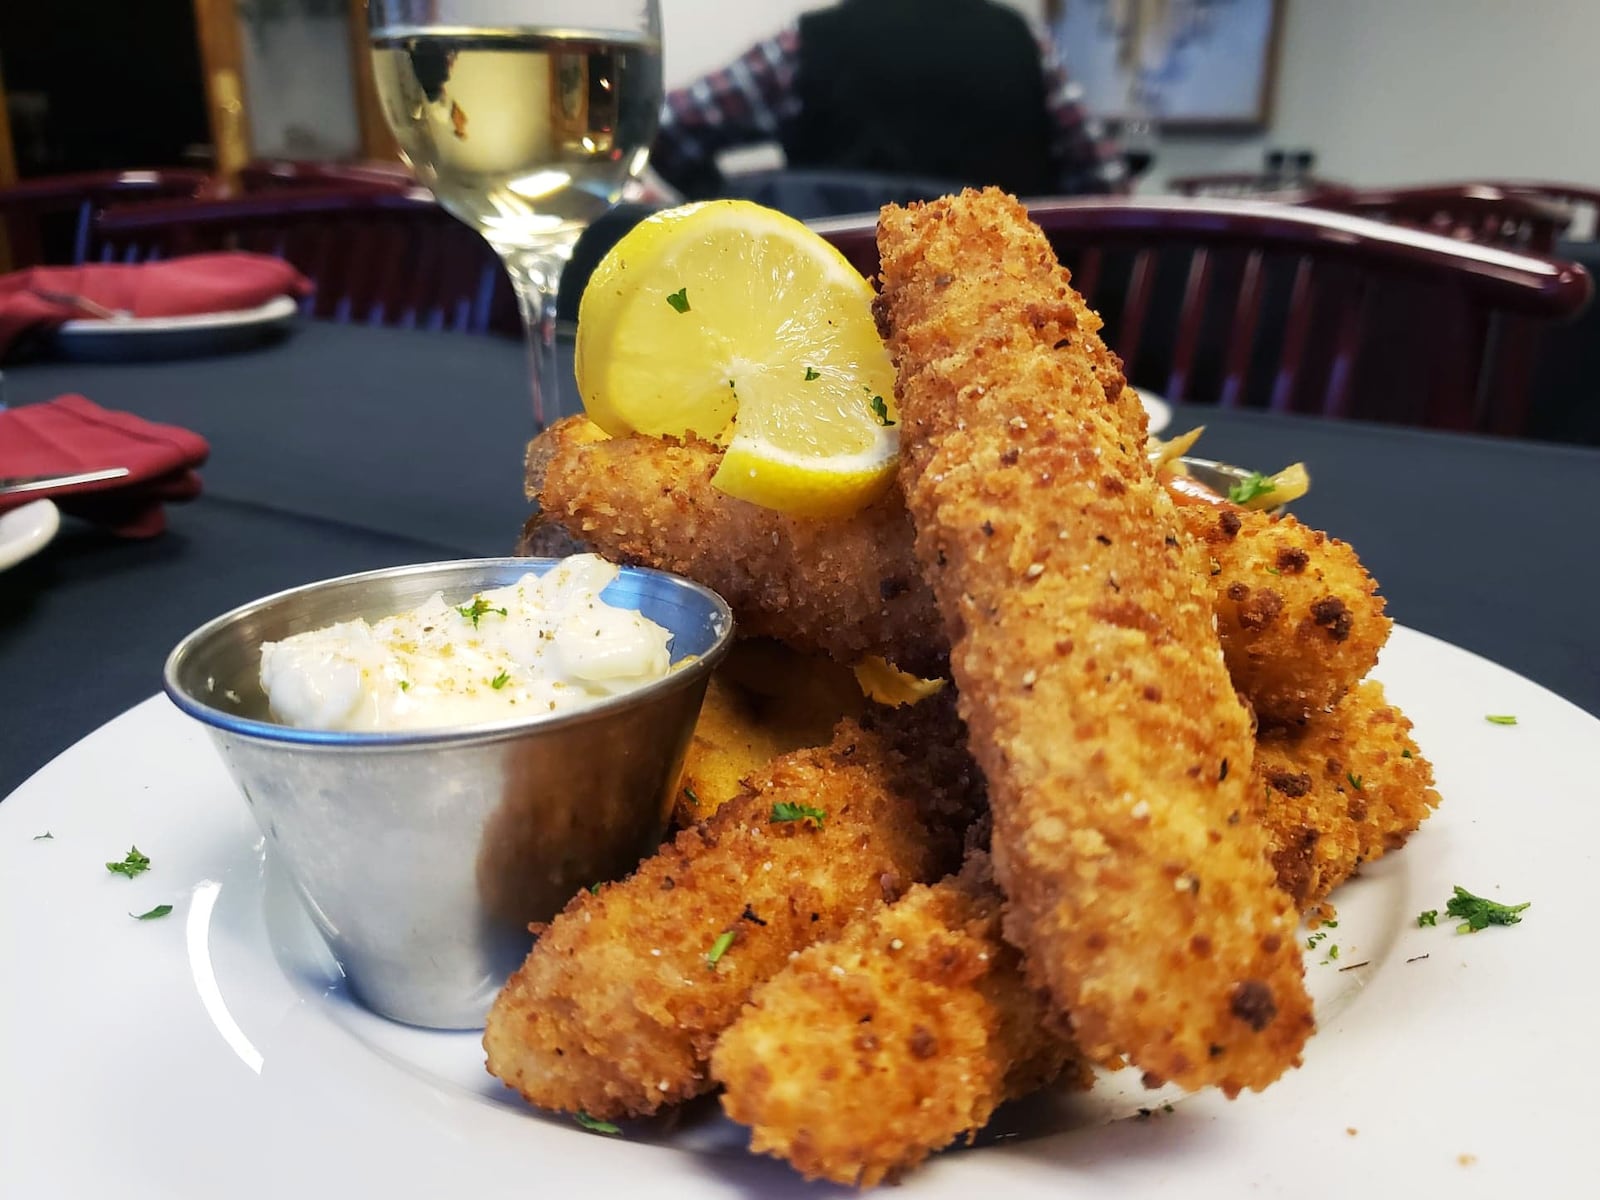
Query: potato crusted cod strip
{"type": "Point", "coordinates": [1295, 641]}
{"type": "Point", "coordinates": [1300, 619]}
{"type": "Point", "coordinates": [844, 588]}
{"type": "Point", "coordinates": [1084, 646]}
{"type": "Point", "coordinates": [870, 1052]}
{"type": "Point", "coordinates": [615, 1011]}
{"type": "Point", "coordinates": [763, 700]}
{"type": "Point", "coordinates": [1345, 788]}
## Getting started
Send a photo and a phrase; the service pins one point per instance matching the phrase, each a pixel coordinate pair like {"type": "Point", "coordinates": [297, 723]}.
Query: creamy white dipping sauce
{"type": "Point", "coordinates": [540, 645]}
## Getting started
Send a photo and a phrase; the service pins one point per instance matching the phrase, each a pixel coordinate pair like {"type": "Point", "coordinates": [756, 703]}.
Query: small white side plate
{"type": "Point", "coordinates": [27, 530]}
{"type": "Point", "coordinates": [173, 337]}
{"type": "Point", "coordinates": [1156, 409]}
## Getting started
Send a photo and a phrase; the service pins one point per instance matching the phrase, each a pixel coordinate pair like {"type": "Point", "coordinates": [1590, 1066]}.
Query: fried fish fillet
{"type": "Point", "coordinates": [763, 700]}
{"type": "Point", "coordinates": [1300, 618]}
{"type": "Point", "coordinates": [617, 1007]}
{"type": "Point", "coordinates": [1345, 788]}
{"type": "Point", "coordinates": [845, 588]}
{"type": "Point", "coordinates": [1085, 649]}
{"type": "Point", "coordinates": [869, 1052]}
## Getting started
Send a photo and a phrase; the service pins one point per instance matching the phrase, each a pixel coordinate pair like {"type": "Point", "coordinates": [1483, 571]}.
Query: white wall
{"type": "Point", "coordinates": [1405, 91]}
{"type": "Point", "coordinates": [701, 35]}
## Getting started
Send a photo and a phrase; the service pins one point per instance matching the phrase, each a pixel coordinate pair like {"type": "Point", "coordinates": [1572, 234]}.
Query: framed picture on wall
{"type": "Point", "coordinates": [1197, 64]}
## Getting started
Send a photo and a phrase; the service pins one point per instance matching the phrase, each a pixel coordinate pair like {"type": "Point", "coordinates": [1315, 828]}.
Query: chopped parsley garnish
{"type": "Point", "coordinates": [811, 374]}
{"type": "Point", "coordinates": [689, 792]}
{"type": "Point", "coordinates": [679, 300]}
{"type": "Point", "coordinates": [1503, 719]}
{"type": "Point", "coordinates": [786, 811]}
{"type": "Point", "coordinates": [1333, 951]}
{"type": "Point", "coordinates": [719, 947]}
{"type": "Point", "coordinates": [405, 685]}
{"type": "Point", "coordinates": [476, 611]}
{"type": "Point", "coordinates": [595, 1125]}
{"type": "Point", "coordinates": [1428, 916]}
{"type": "Point", "coordinates": [880, 410]}
{"type": "Point", "coordinates": [1248, 489]}
{"type": "Point", "coordinates": [155, 913]}
{"type": "Point", "coordinates": [1355, 780]}
{"type": "Point", "coordinates": [594, 889]}
{"type": "Point", "coordinates": [1478, 913]}
{"type": "Point", "coordinates": [1319, 936]}
{"type": "Point", "coordinates": [500, 680]}
{"type": "Point", "coordinates": [46, 835]}
{"type": "Point", "coordinates": [1330, 924]}
{"type": "Point", "coordinates": [1405, 754]}
{"type": "Point", "coordinates": [134, 864]}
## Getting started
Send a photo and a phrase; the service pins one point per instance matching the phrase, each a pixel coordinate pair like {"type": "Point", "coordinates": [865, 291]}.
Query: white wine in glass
{"type": "Point", "coordinates": [526, 131]}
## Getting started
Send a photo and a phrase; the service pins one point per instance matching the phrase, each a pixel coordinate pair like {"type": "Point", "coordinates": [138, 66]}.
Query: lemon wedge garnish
{"type": "Point", "coordinates": [739, 324]}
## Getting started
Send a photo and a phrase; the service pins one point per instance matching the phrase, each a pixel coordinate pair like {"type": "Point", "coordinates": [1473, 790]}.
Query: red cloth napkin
{"type": "Point", "coordinates": [174, 287]}
{"type": "Point", "coordinates": [69, 435]}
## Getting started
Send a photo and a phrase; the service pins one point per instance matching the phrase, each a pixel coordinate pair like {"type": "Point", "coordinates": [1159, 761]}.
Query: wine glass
{"type": "Point", "coordinates": [525, 118]}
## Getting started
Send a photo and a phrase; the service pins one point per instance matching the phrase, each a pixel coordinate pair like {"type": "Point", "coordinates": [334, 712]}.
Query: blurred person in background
{"type": "Point", "coordinates": [963, 91]}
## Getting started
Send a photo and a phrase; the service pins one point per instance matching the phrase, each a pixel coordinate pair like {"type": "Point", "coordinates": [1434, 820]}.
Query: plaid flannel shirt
{"type": "Point", "coordinates": [751, 100]}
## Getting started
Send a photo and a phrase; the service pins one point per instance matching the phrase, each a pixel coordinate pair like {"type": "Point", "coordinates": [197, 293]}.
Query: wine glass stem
{"type": "Point", "coordinates": [535, 273]}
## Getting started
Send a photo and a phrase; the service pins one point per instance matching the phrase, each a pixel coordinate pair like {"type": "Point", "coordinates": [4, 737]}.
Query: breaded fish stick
{"type": "Point", "coordinates": [845, 588]}
{"type": "Point", "coordinates": [1085, 649]}
{"type": "Point", "coordinates": [870, 1052]}
{"type": "Point", "coordinates": [1300, 619]}
{"type": "Point", "coordinates": [615, 1011]}
{"type": "Point", "coordinates": [1344, 789]}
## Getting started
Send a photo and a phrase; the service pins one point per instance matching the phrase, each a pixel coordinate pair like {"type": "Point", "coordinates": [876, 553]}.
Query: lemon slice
{"type": "Point", "coordinates": [739, 324]}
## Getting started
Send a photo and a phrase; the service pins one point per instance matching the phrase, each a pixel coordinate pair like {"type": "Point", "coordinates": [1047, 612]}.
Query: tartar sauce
{"type": "Point", "coordinates": [540, 645]}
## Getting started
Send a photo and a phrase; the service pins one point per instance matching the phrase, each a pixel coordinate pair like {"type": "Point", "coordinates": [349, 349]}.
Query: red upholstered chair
{"type": "Point", "coordinates": [378, 257]}
{"type": "Point", "coordinates": [52, 219]}
{"type": "Point", "coordinates": [1249, 304]}
{"type": "Point", "coordinates": [1472, 211]}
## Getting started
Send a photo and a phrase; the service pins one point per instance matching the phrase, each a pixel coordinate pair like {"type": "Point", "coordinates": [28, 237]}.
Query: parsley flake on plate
{"type": "Point", "coordinates": [679, 300]}
{"type": "Point", "coordinates": [1248, 489]}
{"type": "Point", "coordinates": [1501, 719]}
{"type": "Point", "coordinates": [132, 864]}
{"type": "Point", "coordinates": [45, 836]}
{"type": "Point", "coordinates": [1477, 912]}
{"type": "Point", "coordinates": [720, 947]}
{"type": "Point", "coordinates": [595, 1125]}
{"type": "Point", "coordinates": [787, 811]}
{"type": "Point", "coordinates": [154, 914]}
{"type": "Point", "coordinates": [500, 680]}
{"type": "Point", "coordinates": [1428, 916]}
{"type": "Point", "coordinates": [812, 373]}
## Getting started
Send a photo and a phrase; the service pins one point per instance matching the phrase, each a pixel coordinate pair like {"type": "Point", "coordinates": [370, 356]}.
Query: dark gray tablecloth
{"type": "Point", "coordinates": [343, 449]}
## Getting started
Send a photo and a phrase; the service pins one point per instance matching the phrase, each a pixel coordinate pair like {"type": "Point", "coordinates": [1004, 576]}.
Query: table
{"type": "Point", "coordinates": [344, 448]}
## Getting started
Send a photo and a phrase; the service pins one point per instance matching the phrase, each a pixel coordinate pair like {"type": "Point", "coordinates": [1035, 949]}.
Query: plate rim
{"type": "Point", "coordinates": [32, 539]}
{"type": "Point", "coordinates": [279, 308]}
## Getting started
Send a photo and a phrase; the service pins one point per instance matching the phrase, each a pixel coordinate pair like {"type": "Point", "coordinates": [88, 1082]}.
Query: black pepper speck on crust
{"type": "Point", "coordinates": [1253, 1004]}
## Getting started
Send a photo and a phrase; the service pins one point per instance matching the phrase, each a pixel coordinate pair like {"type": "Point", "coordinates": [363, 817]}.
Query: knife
{"type": "Point", "coordinates": [17, 484]}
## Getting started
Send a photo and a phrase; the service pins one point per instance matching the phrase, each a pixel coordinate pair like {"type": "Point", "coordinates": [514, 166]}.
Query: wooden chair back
{"type": "Point", "coordinates": [377, 257]}
{"type": "Point", "coordinates": [1474, 212]}
{"type": "Point", "coordinates": [51, 219]}
{"type": "Point", "coordinates": [1250, 304]}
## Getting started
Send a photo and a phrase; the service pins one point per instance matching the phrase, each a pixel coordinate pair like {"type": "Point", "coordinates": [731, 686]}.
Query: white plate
{"type": "Point", "coordinates": [214, 1053]}
{"type": "Point", "coordinates": [174, 337]}
{"type": "Point", "coordinates": [1158, 412]}
{"type": "Point", "coordinates": [26, 530]}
